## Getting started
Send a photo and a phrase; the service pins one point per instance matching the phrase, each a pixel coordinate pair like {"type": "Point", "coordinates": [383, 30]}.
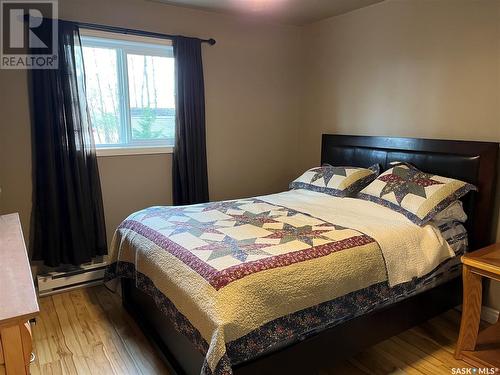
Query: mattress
{"type": "Point", "coordinates": [241, 278]}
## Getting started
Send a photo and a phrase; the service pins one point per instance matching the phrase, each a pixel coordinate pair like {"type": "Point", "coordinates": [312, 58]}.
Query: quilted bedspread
{"type": "Point", "coordinates": [222, 271]}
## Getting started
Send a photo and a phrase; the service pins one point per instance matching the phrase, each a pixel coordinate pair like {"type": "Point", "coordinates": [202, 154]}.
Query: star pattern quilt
{"type": "Point", "coordinates": [224, 270]}
{"type": "Point", "coordinates": [337, 181]}
{"type": "Point", "coordinates": [418, 195]}
{"type": "Point", "coordinates": [226, 241]}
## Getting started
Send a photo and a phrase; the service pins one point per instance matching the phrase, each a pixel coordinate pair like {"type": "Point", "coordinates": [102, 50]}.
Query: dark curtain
{"type": "Point", "coordinates": [189, 170]}
{"type": "Point", "coordinates": [67, 225]}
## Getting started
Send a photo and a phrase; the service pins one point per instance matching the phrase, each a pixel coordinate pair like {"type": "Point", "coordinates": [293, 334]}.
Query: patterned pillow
{"type": "Point", "coordinates": [337, 181]}
{"type": "Point", "coordinates": [417, 195]}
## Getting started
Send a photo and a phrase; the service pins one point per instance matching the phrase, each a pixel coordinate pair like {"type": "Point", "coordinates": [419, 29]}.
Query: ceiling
{"type": "Point", "coordinates": [295, 12]}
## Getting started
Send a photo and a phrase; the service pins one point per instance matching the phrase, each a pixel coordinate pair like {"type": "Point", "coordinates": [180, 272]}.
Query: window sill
{"type": "Point", "coordinates": [125, 151]}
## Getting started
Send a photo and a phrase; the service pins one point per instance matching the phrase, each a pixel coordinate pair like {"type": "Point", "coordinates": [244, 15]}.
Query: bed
{"type": "Point", "coordinates": [292, 281]}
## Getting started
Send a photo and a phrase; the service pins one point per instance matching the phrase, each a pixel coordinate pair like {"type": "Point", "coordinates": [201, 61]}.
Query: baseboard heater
{"type": "Point", "coordinates": [59, 281]}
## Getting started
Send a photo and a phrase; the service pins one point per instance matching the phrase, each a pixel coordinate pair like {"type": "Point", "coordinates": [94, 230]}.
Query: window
{"type": "Point", "coordinates": [130, 84]}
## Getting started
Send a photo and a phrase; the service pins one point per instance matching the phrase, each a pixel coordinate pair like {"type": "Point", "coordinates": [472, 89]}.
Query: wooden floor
{"type": "Point", "coordinates": [86, 331]}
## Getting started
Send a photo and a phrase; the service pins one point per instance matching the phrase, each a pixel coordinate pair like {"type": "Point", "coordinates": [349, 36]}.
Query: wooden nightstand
{"type": "Point", "coordinates": [478, 349]}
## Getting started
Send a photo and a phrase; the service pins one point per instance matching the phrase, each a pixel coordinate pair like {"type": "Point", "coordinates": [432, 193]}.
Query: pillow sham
{"type": "Point", "coordinates": [336, 181]}
{"type": "Point", "coordinates": [418, 195]}
{"type": "Point", "coordinates": [454, 212]}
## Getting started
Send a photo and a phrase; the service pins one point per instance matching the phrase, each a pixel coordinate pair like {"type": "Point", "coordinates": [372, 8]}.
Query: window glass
{"type": "Point", "coordinates": [151, 95]}
{"type": "Point", "coordinates": [102, 94]}
{"type": "Point", "coordinates": [130, 92]}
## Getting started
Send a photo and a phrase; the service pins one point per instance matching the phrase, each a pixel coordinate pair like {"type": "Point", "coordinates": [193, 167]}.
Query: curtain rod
{"type": "Point", "coordinates": [124, 30]}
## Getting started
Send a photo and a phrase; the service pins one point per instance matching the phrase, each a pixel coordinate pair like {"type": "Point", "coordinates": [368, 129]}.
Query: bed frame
{"type": "Point", "coordinates": [474, 162]}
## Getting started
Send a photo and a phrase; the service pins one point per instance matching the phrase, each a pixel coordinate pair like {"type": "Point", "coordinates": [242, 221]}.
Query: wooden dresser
{"type": "Point", "coordinates": [18, 302]}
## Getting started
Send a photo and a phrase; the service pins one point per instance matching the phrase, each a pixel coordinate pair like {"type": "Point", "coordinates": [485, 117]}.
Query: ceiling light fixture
{"type": "Point", "coordinates": [258, 5]}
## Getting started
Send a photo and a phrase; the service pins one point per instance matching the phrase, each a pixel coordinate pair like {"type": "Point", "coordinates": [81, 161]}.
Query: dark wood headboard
{"type": "Point", "coordinates": [470, 161]}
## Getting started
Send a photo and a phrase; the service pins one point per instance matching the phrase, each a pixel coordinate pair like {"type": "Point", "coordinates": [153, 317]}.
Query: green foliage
{"type": "Point", "coordinates": [107, 122]}
{"type": "Point", "coordinates": [146, 122]}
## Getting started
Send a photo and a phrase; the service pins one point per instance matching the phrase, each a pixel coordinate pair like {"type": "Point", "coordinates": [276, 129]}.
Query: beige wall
{"type": "Point", "coordinates": [15, 146]}
{"type": "Point", "coordinates": [416, 68]}
{"type": "Point", "coordinates": [251, 99]}
{"type": "Point", "coordinates": [131, 183]}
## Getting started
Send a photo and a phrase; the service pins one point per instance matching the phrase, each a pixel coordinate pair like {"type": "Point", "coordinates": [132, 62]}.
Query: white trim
{"type": "Point", "coordinates": [125, 44]}
{"type": "Point", "coordinates": [49, 283]}
{"type": "Point", "coordinates": [124, 151]}
{"type": "Point", "coordinates": [77, 277]}
{"type": "Point", "coordinates": [120, 36]}
{"type": "Point", "coordinates": [69, 288]}
{"type": "Point", "coordinates": [488, 314]}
